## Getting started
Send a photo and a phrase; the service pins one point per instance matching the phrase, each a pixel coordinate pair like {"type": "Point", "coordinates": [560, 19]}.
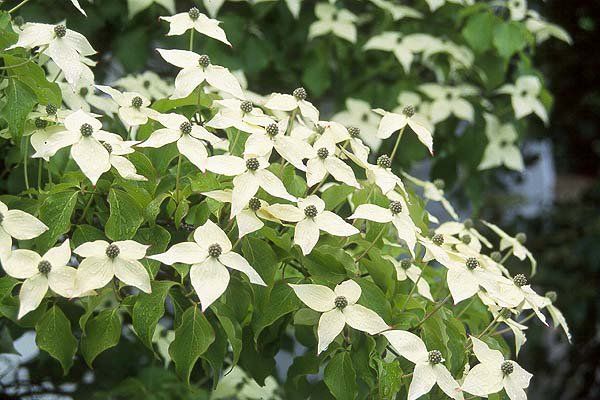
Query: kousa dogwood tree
{"type": "Point", "coordinates": [201, 228]}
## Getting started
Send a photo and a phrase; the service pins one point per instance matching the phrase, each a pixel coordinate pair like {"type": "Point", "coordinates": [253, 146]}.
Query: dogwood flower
{"type": "Point", "coordinates": [292, 102]}
{"type": "Point", "coordinates": [392, 122]}
{"type": "Point", "coordinates": [462, 230]}
{"type": "Point", "coordinates": [429, 367]}
{"type": "Point", "coordinates": [250, 174]}
{"type": "Point", "coordinates": [501, 148]}
{"type": "Point", "coordinates": [465, 277]}
{"type": "Point", "coordinates": [422, 108]}
{"type": "Point", "coordinates": [323, 160]}
{"type": "Point", "coordinates": [311, 217]}
{"type": "Point", "coordinates": [394, 42]}
{"type": "Point", "coordinates": [449, 100]}
{"type": "Point", "coordinates": [397, 11]}
{"type": "Point", "coordinates": [435, 4]}
{"type": "Point", "coordinates": [239, 114]}
{"type": "Point", "coordinates": [543, 30]}
{"type": "Point", "coordinates": [196, 69]}
{"type": "Point", "coordinates": [380, 173]}
{"type": "Point", "coordinates": [133, 107]}
{"type": "Point", "coordinates": [557, 316]}
{"type": "Point", "coordinates": [515, 244]}
{"type": "Point", "coordinates": [517, 9]}
{"type": "Point", "coordinates": [332, 20]}
{"type": "Point", "coordinates": [209, 256]}
{"type": "Point", "coordinates": [518, 294]}
{"type": "Point", "coordinates": [495, 373]}
{"type": "Point", "coordinates": [524, 97]}
{"type": "Point", "coordinates": [103, 261]}
{"type": "Point", "coordinates": [117, 148]}
{"type": "Point", "coordinates": [147, 84]}
{"type": "Point", "coordinates": [83, 97]}
{"type": "Point", "coordinates": [406, 269]}
{"type": "Point", "coordinates": [41, 273]}
{"type": "Point", "coordinates": [339, 308]}
{"type": "Point", "coordinates": [194, 19]}
{"type": "Point", "coordinates": [433, 191]}
{"type": "Point", "coordinates": [358, 114]}
{"type": "Point", "coordinates": [190, 138]}
{"type": "Point", "coordinates": [137, 6]}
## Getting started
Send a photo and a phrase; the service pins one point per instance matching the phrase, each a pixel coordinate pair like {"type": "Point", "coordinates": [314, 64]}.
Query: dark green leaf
{"type": "Point", "coordinates": [340, 377]}
{"type": "Point", "coordinates": [53, 335]}
{"type": "Point", "coordinates": [101, 333]}
{"type": "Point", "coordinates": [149, 309]}
{"type": "Point", "coordinates": [56, 212]}
{"type": "Point", "coordinates": [125, 216]}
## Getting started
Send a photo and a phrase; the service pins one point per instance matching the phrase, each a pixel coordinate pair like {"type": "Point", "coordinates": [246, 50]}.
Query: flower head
{"type": "Point", "coordinates": [194, 19]}
{"type": "Point", "coordinates": [524, 97]}
{"type": "Point", "coordinates": [333, 20]}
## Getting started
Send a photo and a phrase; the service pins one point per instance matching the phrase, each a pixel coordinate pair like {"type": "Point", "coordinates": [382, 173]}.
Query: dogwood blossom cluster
{"type": "Point", "coordinates": [287, 129]}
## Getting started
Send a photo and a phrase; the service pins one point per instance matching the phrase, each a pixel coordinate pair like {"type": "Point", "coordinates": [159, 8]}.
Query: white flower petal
{"type": "Point", "coordinates": [32, 293]}
{"type": "Point", "coordinates": [91, 157]}
{"type": "Point", "coordinates": [194, 150]}
{"type": "Point", "coordinates": [315, 171]}
{"type": "Point", "coordinates": [372, 212]}
{"type": "Point", "coordinates": [462, 284]}
{"type": "Point", "coordinates": [423, 380]}
{"type": "Point", "coordinates": [226, 165]}
{"type": "Point", "coordinates": [22, 226]}
{"type": "Point", "coordinates": [318, 297]}
{"type": "Point", "coordinates": [97, 248]}
{"type": "Point", "coordinates": [161, 137]}
{"type": "Point", "coordinates": [133, 273]}
{"type": "Point", "coordinates": [210, 233]}
{"type": "Point", "coordinates": [334, 224]}
{"type": "Point", "coordinates": [273, 185]}
{"type": "Point", "coordinates": [446, 382]}
{"type": "Point", "coordinates": [408, 345]}
{"type": "Point", "coordinates": [185, 252]}
{"type": "Point", "coordinates": [350, 290]}
{"type": "Point", "coordinates": [180, 58]}
{"type": "Point", "coordinates": [125, 168]}
{"type": "Point", "coordinates": [220, 78]}
{"type": "Point", "coordinates": [187, 80]}
{"type": "Point", "coordinates": [364, 319]}
{"type": "Point", "coordinates": [306, 235]}
{"type": "Point", "coordinates": [209, 279]}
{"type": "Point", "coordinates": [210, 27]}
{"type": "Point", "coordinates": [131, 250]}
{"type": "Point", "coordinates": [239, 263]}
{"type": "Point", "coordinates": [248, 222]}
{"type": "Point", "coordinates": [94, 273]}
{"type": "Point", "coordinates": [341, 171]}
{"type": "Point", "coordinates": [60, 255]}
{"type": "Point", "coordinates": [482, 380]}
{"type": "Point", "coordinates": [62, 281]}
{"type": "Point", "coordinates": [389, 124]}
{"type": "Point", "coordinates": [331, 325]}
{"type": "Point", "coordinates": [21, 263]}
{"type": "Point", "coordinates": [286, 212]}
{"type": "Point", "coordinates": [245, 187]}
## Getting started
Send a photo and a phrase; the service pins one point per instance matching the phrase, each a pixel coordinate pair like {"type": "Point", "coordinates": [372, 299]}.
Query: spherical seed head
{"type": "Point", "coordinates": [108, 147]}
{"type": "Point", "coordinates": [521, 237]}
{"type": "Point", "coordinates": [254, 204]}
{"type": "Point", "coordinates": [186, 128]}
{"type": "Point", "coordinates": [466, 239]}
{"type": "Point", "coordinates": [51, 109]}
{"type": "Point", "coordinates": [86, 130]}
{"type": "Point", "coordinates": [204, 61]}
{"type": "Point", "coordinates": [44, 267]}
{"type": "Point", "coordinates": [215, 250]}
{"type": "Point", "coordinates": [60, 31]}
{"type": "Point", "coordinates": [246, 106]}
{"type": "Point", "coordinates": [468, 223]}
{"type": "Point", "coordinates": [252, 164]}
{"type": "Point", "coordinates": [40, 123]}
{"type": "Point", "coordinates": [194, 13]}
{"type": "Point", "coordinates": [83, 91]}
{"type": "Point", "coordinates": [112, 251]}
{"type": "Point", "coordinates": [406, 263]}
{"type": "Point", "coordinates": [310, 211]}
{"type": "Point", "coordinates": [272, 129]}
{"type": "Point", "coordinates": [146, 84]}
{"type": "Point", "coordinates": [341, 302]}
{"type": "Point", "coordinates": [440, 184]}
{"type": "Point", "coordinates": [354, 131]}
{"type": "Point", "coordinates": [384, 161]}
{"type": "Point", "coordinates": [496, 256]}
{"type": "Point", "coordinates": [323, 153]}
{"type": "Point", "coordinates": [552, 296]}
{"type": "Point", "coordinates": [507, 367]}
{"type": "Point", "coordinates": [395, 207]}
{"type": "Point", "coordinates": [520, 280]}
{"type": "Point", "coordinates": [438, 239]}
{"type": "Point", "coordinates": [472, 263]}
{"type": "Point", "coordinates": [409, 110]}
{"type": "Point", "coordinates": [435, 357]}
{"type": "Point", "coordinates": [136, 102]}
{"type": "Point", "coordinates": [299, 93]}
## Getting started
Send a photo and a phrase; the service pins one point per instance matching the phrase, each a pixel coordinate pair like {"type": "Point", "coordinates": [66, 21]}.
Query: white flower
{"type": "Point", "coordinates": [494, 373]}
{"type": "Point", "coordinates": [519, 295]}
{"type": "Point", "coordinates": [137, 6]}
{"type": "Point", "coordinates": [41, 272]}
{"type": "Point", "coordinates": [433, 191]}
{"type": "Point", "coordinates": [148, 84]}
{"type": "Point", "coordinates": [398, 11]}
{"type": "Point", "coordinates": [557, 316]}
{"type": "Point", "coordinates": [84, 97]}
{"type": "Point", "coordinates": [449, 100]}
{"type": "Point", "coordinates": [332, 20]}
{"type": "Point", "coordinates": [323, 161]}
{"type": "Point", "coordinates": [422, 108]}
{"type": "Point", "coordinates": [103, 261]}
{"type": "Point", "coordinates": [190, 138]}
{"type": "Point", "coordinates": [515, 244]}
{"type": "Point", "coordinates": [524, 97]}
{"type": "Point", "coordinates": [336, 133]}
{"type": "Point", "coordinates": [429, 369]}
{"type": "Point", "coordinates": [209, 255]}
{"type": "Point", "coordinates": [289, 102]}
{"type": "Point", "coordinates": [380, 174]}
{"type": "Point", "coordinates": [543, 30]}
{"type": "Point", "coordinates": [19, 225]}
{"type": "Point", "coordinates": [231, 115]}
{"type": "Point", "coordinates": [194, 19]}
{"type": "Point", "coordinates": [358, 114]}
{"type": "Point", "coordinates": [117, 148]}
{"type": "Point", "coordinates": [133, 107]}
{"type": "Point", "coordinates": [339, 308]}
{"type": "Point", "coordinates": [249, 219]}
{"type": "Point", "coordinates": [197, 69]}
{"type": "Point", "coordinates": [311, 217]}
{"type": "Point", "coordinates": [250, 175]}
{"type": "Point", "coordinates": [396, 213]}
{"type": "Point", "coordinates": [413, 273]}
{"type": "Point", "coordinates": [392, 122]}
{"type": "Point", "coordinates": [394, 42]}
{"type": "Point", "coordinates": [83, 133]}
{"type": "Point", "coordinates": [501, 148]}
{"type": "Point", "coordinates": [435, 4]}
{"type": "Point", "coordinates": [517, 9]}
{"type": "Point", "coordinates": [465, 277]}
{"type": "Point", "coordinates": [462, 229]}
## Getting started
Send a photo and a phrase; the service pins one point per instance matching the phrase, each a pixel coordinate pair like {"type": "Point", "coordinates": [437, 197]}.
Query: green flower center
{"type": "Point", "coordinates": [384, 161]}
{"type": "Point", "coordinates": [507, 367]}
{"type": "Point", "coordinates": [136, 102]}
{"type": "Point", "coordinates": [112, 251]}
{"type": "Point", "coordinates": [60, 31]}
{"type": "Point", "coordinates": [299, 93]}
{"type": "Point", "coordinates": [86, 130]}
{"type": "Point", "coordinates": [44, 267]}
{"type": "Point", "coordinates": [186, 128]}
{"type": "Point", "coordinates": [215, 250]}
{"type": "Point", "coordinates": [434, 357]}
{"type": "Point", "coordinates": [310, 211]}
{"type": "Point", "coordinates": [252, 164]}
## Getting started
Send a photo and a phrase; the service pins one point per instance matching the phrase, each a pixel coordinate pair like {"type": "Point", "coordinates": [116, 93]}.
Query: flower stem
{"type": "Point", "coordinates": [177, 179]}
{"type": "Point", "coordinates": [15, 8]}
{"type": "Point", "coordinates": [508, 254]}
{"type": "Point", "coordinates": [379, 235]}
{"type": "Point", "coordinates": [39, 176]}
{"type": "Point", "coordinates": [25, 166]}
{"type": "Point", "coordinates": [192, 39]}
{"type": "Point", "coordinates": [432, 312]}
{"type": "Point", "coordinates": [397, 143]}
{"type": "Point", "coordinates": [86, 208]}
{"type": "Point", "coordinates": [412, 290]}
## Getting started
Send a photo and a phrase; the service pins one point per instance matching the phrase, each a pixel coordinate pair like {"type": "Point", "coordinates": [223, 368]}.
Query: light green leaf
{"type": "Point", "coordinates": [53, 335]}
{"type": "Point", "coordinates": [101, 333]}
{"type": "Point", "coordinates": [340, 377]}
{"type": "Point", "coordinates": [56, 212]}
{"type": "Point", "coordinates": [125, 216]}
{"type": "Point", "coordinates": [20, 100]}
{"type": "Point", "coordinates": [149, 309]}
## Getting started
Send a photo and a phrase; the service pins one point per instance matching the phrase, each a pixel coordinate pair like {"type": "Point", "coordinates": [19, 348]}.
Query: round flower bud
{"type": "Point", "coordinates": [246, 106]}
{"type": "Point", "coordinates": [204, 61]}
{"type": "Point", "coordinates": [299, 93]}
{"type": "Point", "coordinates": [44, 267]}
{"type": "Point", "coordinates": [552, 296]}
{"type": "Point", "coordinates": [468, 223]}
{"type": "Point", "coordinates": [254, 204]}
{"type": "Point", "coordinates": [40, 123]}
{"type": "Point", "coordinates": [438, 239]}
{"type": "Point", "coordinates": [187, 227]}
{"type": "Point", "coordinates": [51, 109]}
{"type": "Point", "coordinates": [272, 129]}
{"type": "Point", "coordinates": [384, 161]}
{"type": "Point", "coordinates": [435, 357]}
{"type": "Point", "coordinates": [60, 31]}
{"type": "Point", "coordinates": [521, 237]}
{"type": "Point", "coordinates": [439, 184]}
{"type": "Point", "coordinates": [83, 91]}
{"type": "Point", "coordinates": [406, 263]}
{"type": "Point", "coordinates": [507, 367]}
{"type": "Point", "coordinates": [108, 147]}
{"type": "Point", "coordinates": [252, 164]}
{"type": "Point", "coordinates": [319, 129]}
{"type": "Point", "coordinates": [19, 20]}
{"type": "Point", "coordinates": [472, 263]}
{"type": "Point", "coordinates": [186, 128]}
{"type": "Point", "coordinates": [112, 251]}
{"type": "Point", "coordinates": [520, 280]}
{"type": "Point", "coordinates": [409, 111]}
{"type": "Point", "coordinates": [215, 250]}
{"type": "Point", "coordinates": [395, 207]}
{"type": "Point", "coordinates": [310, 211]}
{"type": "Point", "coordinates": [136, 102]}
{"type": "Point", "coordinates": [466, 239]}
{"type": "Point", "coordinates": [341, 302]}
{"type": "Point", "coordinates": [354, 131]}
{"type": "Point", "coordinates": [496, 256]}
{"type": "Point", "coordinates": [194, 13]}
{"type": "Point", "coordinates": [86, 130]}
{"type": "Point", "coordinates": [323, 153]}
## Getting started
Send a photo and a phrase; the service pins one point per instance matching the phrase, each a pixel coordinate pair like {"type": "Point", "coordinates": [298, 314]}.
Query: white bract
{"type": "Point", "coordinates": [397, 11]}
{"type": "Point", "coordinates": [311, 218]}
{"type": "Point", "coordinates": [358, 114]}
{"type": "Point", "coordinates": [433, 191]}
{"type": "Point", "coordinates": [413, 273]}
{"type": "Point", "coordinates": [117, 148]}
{"type": "Point", "coordinates": [323, 160]}
{"type": "Point", "coordinates": [194, 19]}
{"type": "Point", "coordinates": [293, 103]}
{"type": "Point", "coordinates": [231, 114]}
{"type": "Point", "coordinates": [19, 225]}
{"type": "Point", "coordinates": [209, 255]}
{"type": "Point", "coordinates": [501, 148]}
{"type": "Point", "coordinates": [339, 308]}
{"type": "Point", "coordinates": [514, 244]}
{"type": "Point", "coordinates": [137, 6]}
{"type": "Point", "coordinates": [447, 100]}
{"type": "Point", "coordinates": [392, 122]}
{"type": "Point", "coordinates": [333, 20]}
{"type": "Point", "coordinates": [525, 97]}
{"type": "Point", "coordinates": [133, 107]}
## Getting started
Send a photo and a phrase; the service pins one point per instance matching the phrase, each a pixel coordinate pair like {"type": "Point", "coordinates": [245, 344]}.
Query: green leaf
{"type": "Point", "coordinates": [53, 335]}
{"type": "Point", "coordinates": [231, 326]}
{"type": "Point", "coordinates": [158, 238]}
{"type": "Point", "coordinates": [340, 377]}
{"type": "Point", "coordinates": [7, 36]}
{"type": "Point", "coordinates": [192, 339]}
{"type": "Point", "coordinates": [101, 333]}
{"type": "Point", "coordinates": [56, 212]}
{"type": "Point", "coordinates": [20, 100]}
{"type": "Point", "coordinates": [509, 38]}
{"type": "Point", "coordinates": [125, 216]}
{"type": "Point", "coordinates": [260, 255]}
{"type": "Point", "coordinates": [86, 233]}
{"type": "Point", "coordinates": [149, 309]}
{"type": "Point", "coordinates": [272, 304]}
{"type": "Point", "coordinates": [7, 283]}
{"type": "Point", "coordinates": [479, 31]}
{"type": "Point", "coordinates": [34, 77]}
{"type": "Point", "coordinates": [336, 195]}
{"type": "Point", "coordinates": [390, 379]}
